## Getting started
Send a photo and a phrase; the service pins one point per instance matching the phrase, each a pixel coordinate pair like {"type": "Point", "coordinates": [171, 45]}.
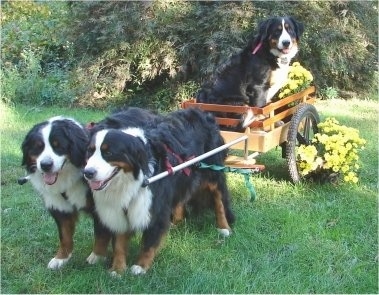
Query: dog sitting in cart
{"type": "Point", "coordinates": [253, 76]}
{"type": "Point", "coordinates": [240, 95]}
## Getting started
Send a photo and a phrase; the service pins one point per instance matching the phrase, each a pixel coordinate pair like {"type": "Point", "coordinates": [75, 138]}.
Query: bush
{"type": "Point", "coordinates": [126, 49]}
{"type": "Point", "coordinates": [35, 53]}
{"type": "Point", "coordinates": [25, 83]}
{"type": "Point", "coordinates": [338, 44]}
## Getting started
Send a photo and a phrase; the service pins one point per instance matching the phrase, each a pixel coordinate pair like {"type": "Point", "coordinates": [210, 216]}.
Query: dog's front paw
{"type": "Point", "coordinates": [137, 270]}
{"type": "Point", "coordinates": [248, 118]}
{"type": "Point", "coordinates": [57, 263]}
{"type": "Point", "coordinates": [94, 258]}
{"type": "Point", "coordinates": [117, 270]}
{"type": "Point", "coordinates": [115, 274]}
{"type": "Point", "coordinates": [224, 232]}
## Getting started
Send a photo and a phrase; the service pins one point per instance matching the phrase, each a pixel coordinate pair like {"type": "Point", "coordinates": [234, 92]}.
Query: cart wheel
{"type": "Point", "coordinates": [302, 128]}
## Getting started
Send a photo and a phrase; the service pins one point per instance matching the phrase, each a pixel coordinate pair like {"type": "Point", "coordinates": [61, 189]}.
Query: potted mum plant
{"type": "Point", "coordinates": [333, 154]}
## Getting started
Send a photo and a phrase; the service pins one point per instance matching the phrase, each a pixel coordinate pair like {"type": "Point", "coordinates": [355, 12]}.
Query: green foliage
{"type": "Point", "coordinates": [113, 52]}
{"type": "Point", "coordinates": [329, 93]}
{"type": "Point", "coordinates": [35, 53]}
{"type": "Point", "coordinates": [35, 26]}
{"type": "Point", "coordinates": [26, 83]}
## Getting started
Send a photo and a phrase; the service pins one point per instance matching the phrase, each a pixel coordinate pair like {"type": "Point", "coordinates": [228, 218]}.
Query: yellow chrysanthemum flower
{"type": "Point", "coordinates": [334, 149]}
{"type": "Point", "coordinates": [299, 79]}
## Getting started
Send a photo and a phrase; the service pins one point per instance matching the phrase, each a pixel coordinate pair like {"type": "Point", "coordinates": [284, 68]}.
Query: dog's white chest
{"type": "Point", "coordinates": [125, 205]}
{"type": "Point", "coordinates": [278, 79]}
{"type": "Point", "coordinates": [67, 194]}
{"type": "Point", "coordinates": [279, 76]}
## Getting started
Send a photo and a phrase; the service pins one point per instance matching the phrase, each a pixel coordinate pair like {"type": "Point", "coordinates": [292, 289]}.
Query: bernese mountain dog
{"type": "Point", "coordinates": [120, 160]}
{"type": "Point", "coordinates": [253, 76]}
{"type": "Point", "coordinates": [54, 157]}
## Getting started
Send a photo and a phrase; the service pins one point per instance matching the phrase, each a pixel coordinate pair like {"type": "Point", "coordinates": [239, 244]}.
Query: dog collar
{"type": "Point", "coordinates": [284, 60]}
{"type": "Point", "coordinates": [255, 50]}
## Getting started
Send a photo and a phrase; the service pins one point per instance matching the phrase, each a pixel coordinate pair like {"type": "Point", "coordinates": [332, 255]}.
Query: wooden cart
{"type": "Point", "coordinates": [288, 123]}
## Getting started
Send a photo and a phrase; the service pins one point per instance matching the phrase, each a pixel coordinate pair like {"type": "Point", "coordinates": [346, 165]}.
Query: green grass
{"type": "Point", "coordinates": [303, 238]}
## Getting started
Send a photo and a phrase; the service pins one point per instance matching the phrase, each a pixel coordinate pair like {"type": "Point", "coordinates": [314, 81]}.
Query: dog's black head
{"type": "Point", "coordinates": [280, 34]}
{"type": "Point", "coordinates": [48, 145]}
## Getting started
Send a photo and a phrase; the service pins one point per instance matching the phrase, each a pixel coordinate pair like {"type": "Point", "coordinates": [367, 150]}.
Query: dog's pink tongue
{"type": "Point", "coordinates": [285, 50]}
{"type": "Point", "coordinates": [95, 185]}
{"type": "Point", "coordinates": [50, 178]}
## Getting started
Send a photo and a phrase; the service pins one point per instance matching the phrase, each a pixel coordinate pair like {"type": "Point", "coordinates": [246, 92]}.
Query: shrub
{"type": "Point", "coordinates": [26, 83]}
{"type": "Point", "coordinates": [115, 50]}
{"type": "Point", "coordinates": [35, 54]}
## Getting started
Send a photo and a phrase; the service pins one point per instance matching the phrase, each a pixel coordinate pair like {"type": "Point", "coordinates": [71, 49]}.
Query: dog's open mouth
{"type": "Point", "coordinates": [50, 178]}
{"type": "Point", "coordinates": [99, 185]}
{"type": "Point", "coordinates": [285, 50]}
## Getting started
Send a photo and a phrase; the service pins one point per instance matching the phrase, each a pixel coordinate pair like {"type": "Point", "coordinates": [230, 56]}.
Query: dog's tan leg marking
{"type": "Point", "coordinates": [66, 228]}
{"type": "Point", "coordinates": [222, 223]}
{"type": "Point", "coordinates": [145, 259]}
{"type": "Point", "coordinates": [66, 233]}
{"type": "Point", "coordinates": [120, 249]}
{"type": "Point", "coordinates": [178, 213]}
{"type": "Point", "coordinates": [101, 244]}
{"type": "Point", "coordinates": [99, 251]}
{"type": "Point", "coordinates": [144, 262]}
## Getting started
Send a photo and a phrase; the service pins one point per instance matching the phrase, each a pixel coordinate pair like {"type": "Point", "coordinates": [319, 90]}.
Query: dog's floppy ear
{"type": "Point", "coordinates": [131, 149]}
{"type": "Point", "coordinates": [78, 139]}
{"type": "Point", "coordinates": [27, 144]}
{"type": "Point", "coordinates": [137, 162]}
{"type": "Point", "coordinates": [135, 154]}
{"type": "Point", "coordinates": [263, 28]}
{"type": "Point", "coordinates": [26, 160]}
{"type": "Point", "coordinates": [262, 35]}
{"type": "Point", "coordinates": [299, 27]}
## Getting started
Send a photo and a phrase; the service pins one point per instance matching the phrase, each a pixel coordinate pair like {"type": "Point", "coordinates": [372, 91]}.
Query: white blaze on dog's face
{"type": "Point", "coordinates": [98, 172]}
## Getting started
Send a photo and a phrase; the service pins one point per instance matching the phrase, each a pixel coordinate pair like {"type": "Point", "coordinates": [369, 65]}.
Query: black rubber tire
{"type": "Point", "coordinates": [302, 128]}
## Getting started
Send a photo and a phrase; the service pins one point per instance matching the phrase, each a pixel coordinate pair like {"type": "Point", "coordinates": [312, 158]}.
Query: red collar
{"type": "Point", "coordinates": [259, 45]}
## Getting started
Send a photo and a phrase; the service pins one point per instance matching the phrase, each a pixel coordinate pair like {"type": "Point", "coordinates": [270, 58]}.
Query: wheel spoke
{"type": "Point", "coordinates": [301, 139]}
{"type": "Point", "coordinates": [304, 136]}
{"type": "Point", "coordinates": [302, 128]}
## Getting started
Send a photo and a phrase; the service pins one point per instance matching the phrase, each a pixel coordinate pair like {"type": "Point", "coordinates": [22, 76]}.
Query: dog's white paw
{"type": "Point", "coordinates": [224, 232]}
{"type": "Point", "coordinates": [115, 274]}
{"type": "Point", "coordinates": [248, 119]}
{"type": "Point", "coordinates": [57, 263]}
{"type": "Point", "coordinates": [137, 270]}
{"type": "Point", "coordinates": [94, 258]}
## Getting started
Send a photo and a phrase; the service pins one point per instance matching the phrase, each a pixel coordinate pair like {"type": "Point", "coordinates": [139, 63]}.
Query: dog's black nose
{"type": "Point", "coordinates": [286, 43]}
{"type": "Point", "coordinates": [89, 173]}
{"type": "Point", "coordinates": [46, 165]}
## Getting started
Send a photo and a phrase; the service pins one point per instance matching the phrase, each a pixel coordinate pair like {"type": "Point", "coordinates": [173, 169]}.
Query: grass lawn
{"type": "Point", "coordinates": [303, 238]}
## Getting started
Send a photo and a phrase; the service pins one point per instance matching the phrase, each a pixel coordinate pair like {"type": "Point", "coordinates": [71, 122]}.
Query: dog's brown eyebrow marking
{"type": "Point", "coordinates": [104, 147]}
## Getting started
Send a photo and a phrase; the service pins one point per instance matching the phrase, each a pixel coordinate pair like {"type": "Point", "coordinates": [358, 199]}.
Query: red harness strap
{"type": "Point", "coordinates": [186, 171]}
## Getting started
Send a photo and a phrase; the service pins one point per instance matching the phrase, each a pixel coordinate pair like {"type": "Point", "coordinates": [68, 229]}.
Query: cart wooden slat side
{"type": "Point", "coordinates": [264, 134]}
